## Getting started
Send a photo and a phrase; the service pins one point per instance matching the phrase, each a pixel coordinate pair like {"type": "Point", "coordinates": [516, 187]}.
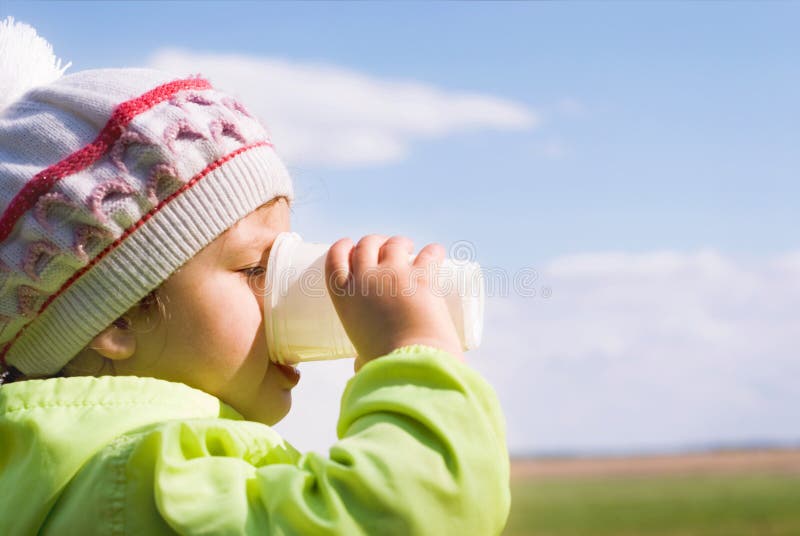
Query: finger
{"type": "Point", "coordinates": [428, 262]}
{"type": "Point", "coordinates": [337, 265]}
{"type": "Point", "coordinates": [432, 253]}
{"type": "Point", "coordinates": [365, 254]}
{"type": "Point", "coordinates": [396, 251]}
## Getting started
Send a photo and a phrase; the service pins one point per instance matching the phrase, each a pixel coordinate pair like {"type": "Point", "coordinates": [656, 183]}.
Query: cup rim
{"type": "Point", "coordinates": [275, 343]}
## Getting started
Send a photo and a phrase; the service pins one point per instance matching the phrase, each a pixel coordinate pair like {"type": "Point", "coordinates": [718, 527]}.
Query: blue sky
{"type": "Point", "coordinates": [656, 138]}
{"type": "Point", "coordinates": [686, 136]}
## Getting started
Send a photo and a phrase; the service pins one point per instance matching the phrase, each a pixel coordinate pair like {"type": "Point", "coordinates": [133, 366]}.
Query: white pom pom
{"type": "Point", "coordinates": [26, 61]}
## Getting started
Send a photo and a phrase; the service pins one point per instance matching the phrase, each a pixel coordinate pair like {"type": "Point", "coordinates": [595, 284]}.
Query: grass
{"type": "Point", "coordinates": [717, 505]}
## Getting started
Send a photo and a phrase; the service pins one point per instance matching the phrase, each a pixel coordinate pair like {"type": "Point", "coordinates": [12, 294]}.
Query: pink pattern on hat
{"type": "Point", "coordinates": [158, 173]}
{"type": "Point", "coordinates": [35, 253]}
{"type": "Point", "coordinates": [103, 190]}
{"type": "Point", "coordinates": [43, 206]}
{"type": "Point", "coordinates": [117, 152]}
{"type": "Point", "coordinates": [122, 115]}
{"type": "Point", "coordinates": [181, 129]}
{"type": "Point", "coordinates": [222, 127]}
{"type": "Point", "coordinates": [181, 99]}
{"type": "Point", "coordinates": [235, 105]}
{"type": "Point", "coordinates": [83, 235]}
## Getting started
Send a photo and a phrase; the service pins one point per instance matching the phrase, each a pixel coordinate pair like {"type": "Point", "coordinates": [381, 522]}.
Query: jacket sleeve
{"type": "Point", "coordinates": [421, 450]}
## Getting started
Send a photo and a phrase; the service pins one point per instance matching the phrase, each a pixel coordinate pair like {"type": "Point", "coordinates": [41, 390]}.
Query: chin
{"type": "Point", "coordinates": [274, 411]}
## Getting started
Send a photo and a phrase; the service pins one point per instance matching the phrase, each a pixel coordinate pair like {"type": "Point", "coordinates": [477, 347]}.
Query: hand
{"type": "Point", "coordinates": [381, 306]}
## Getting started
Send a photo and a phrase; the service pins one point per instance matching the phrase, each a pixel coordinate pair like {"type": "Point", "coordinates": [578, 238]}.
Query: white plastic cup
{"type": "Point", "coordinates": [300, 319]}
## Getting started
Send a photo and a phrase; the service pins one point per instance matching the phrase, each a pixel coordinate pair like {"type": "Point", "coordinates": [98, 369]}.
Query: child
{"type": "Point", "coordinates": [138, 210]}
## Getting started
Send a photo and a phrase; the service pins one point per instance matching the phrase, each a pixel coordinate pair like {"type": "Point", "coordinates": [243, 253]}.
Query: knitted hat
{"type": "Point", "coordinates": [110, 180]}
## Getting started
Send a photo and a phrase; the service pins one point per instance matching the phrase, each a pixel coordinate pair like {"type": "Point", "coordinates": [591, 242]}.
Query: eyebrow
{"type": "Point", "coordinates": [255, 241]}
{"type": "Point", "coordinates": [255, 244]}
{"type": "Point", "coordinates": [235, 247]}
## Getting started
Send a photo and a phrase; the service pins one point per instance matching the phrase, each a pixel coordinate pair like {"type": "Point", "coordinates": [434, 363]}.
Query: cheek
{"type": "Point", "coordinates": [226, 320]}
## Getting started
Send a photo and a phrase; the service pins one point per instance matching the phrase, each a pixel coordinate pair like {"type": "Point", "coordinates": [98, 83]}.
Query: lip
{"type": "Point", "coordinates": [290, 373]}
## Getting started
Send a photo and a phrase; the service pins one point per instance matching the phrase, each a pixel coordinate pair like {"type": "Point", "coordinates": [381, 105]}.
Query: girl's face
{"type": "Point", "coordinates": [213, 335]}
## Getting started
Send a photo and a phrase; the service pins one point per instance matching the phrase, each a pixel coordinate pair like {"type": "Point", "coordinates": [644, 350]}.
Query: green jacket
{"type": "Point", "coordinates": [421, 450]}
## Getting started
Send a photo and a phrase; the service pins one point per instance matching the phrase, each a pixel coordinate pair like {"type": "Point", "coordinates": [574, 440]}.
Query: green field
{"type": "Point", "coordinates": [716, 505]}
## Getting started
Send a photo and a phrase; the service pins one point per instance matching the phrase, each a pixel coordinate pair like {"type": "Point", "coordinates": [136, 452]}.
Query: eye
{"type": "Point", "coordinates": [253, 272]}
{"type": "Point", "coordinates": [255, 277]}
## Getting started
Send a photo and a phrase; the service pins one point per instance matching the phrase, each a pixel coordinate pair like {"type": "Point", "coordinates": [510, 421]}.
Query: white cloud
{"type": "Point", "coordinates": [326, 115]}
{"type": "Point", "coordinates": [650, 350]}
{"type": "Point", "coordinates": [632, 351]}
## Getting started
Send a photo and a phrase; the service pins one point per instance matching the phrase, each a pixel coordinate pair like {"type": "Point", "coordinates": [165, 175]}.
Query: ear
{"type": "Point", "coordinates": [114, 343]}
